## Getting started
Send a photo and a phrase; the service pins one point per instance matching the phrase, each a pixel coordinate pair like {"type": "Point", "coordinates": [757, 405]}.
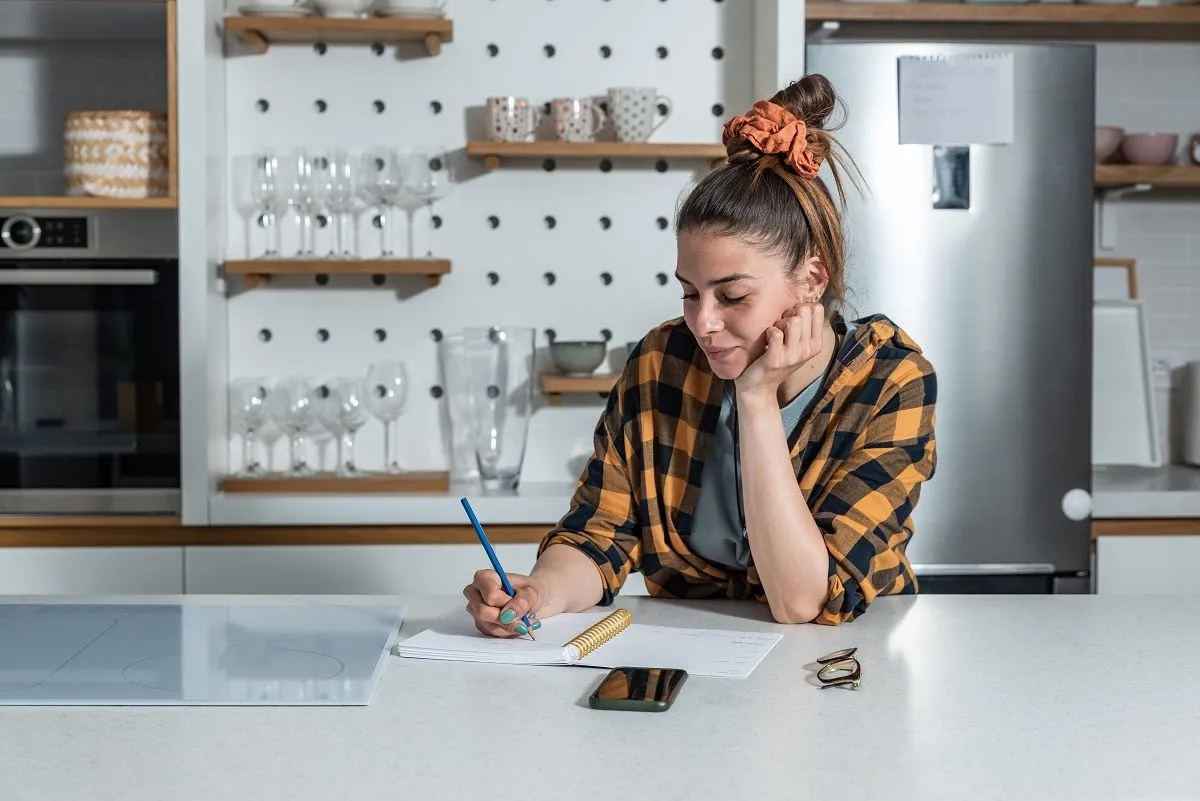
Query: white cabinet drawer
{"type": "Point", "coordinates": [1145, 564]}
{"type": "Point", "coordinates": [80, 571]}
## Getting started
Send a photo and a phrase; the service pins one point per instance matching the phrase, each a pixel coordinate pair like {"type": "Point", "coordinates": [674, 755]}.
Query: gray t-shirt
{"type": "Point", "coordinates": [717, 531]}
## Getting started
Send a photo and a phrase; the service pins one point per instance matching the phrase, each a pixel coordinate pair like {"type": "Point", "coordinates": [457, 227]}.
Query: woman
{"type": "Point", "coordinates": [761, 446]}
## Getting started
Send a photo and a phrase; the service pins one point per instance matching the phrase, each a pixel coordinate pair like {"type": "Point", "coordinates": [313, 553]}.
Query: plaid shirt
{"type": "Point", "coordinates": [860, 458]}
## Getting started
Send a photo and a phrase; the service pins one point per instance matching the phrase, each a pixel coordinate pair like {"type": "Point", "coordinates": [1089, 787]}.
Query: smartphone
{"type": "Point", "coordinates": [638, 689]}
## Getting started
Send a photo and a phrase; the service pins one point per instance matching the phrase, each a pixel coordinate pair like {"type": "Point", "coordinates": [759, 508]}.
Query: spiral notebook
{"type": "Point", "coordinates": [598, 640]}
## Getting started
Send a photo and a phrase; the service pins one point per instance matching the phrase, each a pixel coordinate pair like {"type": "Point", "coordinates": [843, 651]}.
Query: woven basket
{"type": "Point", "coordinates": [120, 154]}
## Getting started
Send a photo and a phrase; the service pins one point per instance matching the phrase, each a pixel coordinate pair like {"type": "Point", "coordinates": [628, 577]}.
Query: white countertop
{"type": "Point", "coordinates": [1117, 492]}
{"type": "Point", "coordinates": [1021, 697]}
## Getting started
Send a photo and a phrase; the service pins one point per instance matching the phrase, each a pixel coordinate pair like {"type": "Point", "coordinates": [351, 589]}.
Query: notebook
{"type": "Point", "coordinates": [598, 640]}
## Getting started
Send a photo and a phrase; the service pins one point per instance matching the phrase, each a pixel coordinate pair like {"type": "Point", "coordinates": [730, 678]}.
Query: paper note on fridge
{"type": "Point", "coordinates": [956, 100]}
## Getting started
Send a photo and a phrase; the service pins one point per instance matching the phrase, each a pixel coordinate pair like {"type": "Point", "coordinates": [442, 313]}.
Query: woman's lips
{"type": "Point", "coordinates": [718, 353]}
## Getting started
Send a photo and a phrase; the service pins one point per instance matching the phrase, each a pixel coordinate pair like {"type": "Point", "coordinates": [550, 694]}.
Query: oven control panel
{"type": "Point", "coordinates": [20, 232]}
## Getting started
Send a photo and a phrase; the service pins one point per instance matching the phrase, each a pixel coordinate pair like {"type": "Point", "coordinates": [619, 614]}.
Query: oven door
{"type": "Point", "coordinates": [89, 376]}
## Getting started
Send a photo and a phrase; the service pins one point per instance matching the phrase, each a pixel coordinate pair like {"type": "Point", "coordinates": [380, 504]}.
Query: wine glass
{"type": "Point", "coordinates": [248, 413]}
{"type": "Point", "coordinates": [301, 194]}
{"type": "Point", "coordinates": [418, 187]}
{"type": "Point", "coordinates": [387, 394]}
{"type": "Point", "coordinates": [267, 194]}
{"type": "Point", "coordinates": [291, 407]}
{"type": "Point", "coordinates": [351, 412]}
{"type": "Point", "coordinates": [380, 179]}
{"type": "Point", "coordinates": [338, 179]}
{"type": "Point", "coordinates": [326, 404]}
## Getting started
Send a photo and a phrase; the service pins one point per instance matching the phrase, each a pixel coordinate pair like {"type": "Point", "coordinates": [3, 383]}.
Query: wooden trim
{"type": "Point", "coordinates": [493, 152]}
{"type": "Point", "coordinates": [172, 102]}
{"type": "Point", "coordinates": [1180, 176]}
{"type": "Point", "coordinates": [554, 386]}
{"type": "Point", "coordinates": [1069, 13]}
{"type": "Point", "coordinates": [258, 272]}
{"type": "Point", "coordinates": [134, 532]}
{"type": "Point", "coordinates": [1130, 266]}
{"type": "Point", "coordinates": [85, 202]}
{"type": "Point", "coordinates": [259, 33]}
{"type": "Point", "coordinates": [1148, 526]}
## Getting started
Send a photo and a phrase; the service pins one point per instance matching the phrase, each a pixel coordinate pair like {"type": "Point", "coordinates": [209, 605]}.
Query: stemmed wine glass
{"type": "Point", "coordinates": [301, 193]}
{"type": "Point", "coordinates": [349, 396]}
{"type": "Point", "coordinates": [248, 413]}
{"type": "Point", "coordinates": [387, 394]}
{"type": "Point", "coordinates": [293, 409]}
{"type": "Point", "coordinates": [380, 178]}
{"type": "Point", "coordinates": [337, 178]}
{"type": "Point", "coordinates": [267, 192]}
{"type": "Point", "coordinates": [418, 187]}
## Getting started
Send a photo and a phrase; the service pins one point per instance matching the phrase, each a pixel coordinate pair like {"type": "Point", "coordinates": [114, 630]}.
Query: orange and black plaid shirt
{"type": "Point", "coordinates": [860, 457]}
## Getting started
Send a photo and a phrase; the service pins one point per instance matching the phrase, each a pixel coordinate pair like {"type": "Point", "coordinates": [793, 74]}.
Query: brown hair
{"type": "Point", "coordinates": [758, 198]}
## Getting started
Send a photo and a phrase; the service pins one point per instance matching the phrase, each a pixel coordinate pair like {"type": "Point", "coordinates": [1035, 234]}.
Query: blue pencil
{"type": "Point", "coordinates": [487, 546]}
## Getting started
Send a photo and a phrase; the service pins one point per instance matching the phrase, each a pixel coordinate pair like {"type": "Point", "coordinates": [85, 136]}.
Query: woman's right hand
{"type": "Point", "coordinates": [495, 612]}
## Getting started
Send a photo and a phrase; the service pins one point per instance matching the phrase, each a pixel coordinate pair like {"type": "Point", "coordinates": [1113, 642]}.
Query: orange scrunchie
{"type": "Point", "coordinates": [771, 128]}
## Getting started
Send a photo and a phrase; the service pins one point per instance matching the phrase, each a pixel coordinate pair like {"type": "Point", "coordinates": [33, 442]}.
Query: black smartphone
{"type": "Point", "coordinates": [638, 689]}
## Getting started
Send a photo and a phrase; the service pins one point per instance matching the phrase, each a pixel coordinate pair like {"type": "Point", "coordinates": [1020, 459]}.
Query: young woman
{"type": "Point", "coordinates": [760, 446]}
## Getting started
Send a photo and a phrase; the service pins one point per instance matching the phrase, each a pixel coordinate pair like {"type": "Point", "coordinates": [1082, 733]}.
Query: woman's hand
{"type": "Point", "coordinates": [494, 611]}
{"type": "Point", "coordinates": [794, 339]}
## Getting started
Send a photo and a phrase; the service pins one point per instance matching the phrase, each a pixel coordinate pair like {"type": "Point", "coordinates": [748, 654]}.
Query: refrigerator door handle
{"type": "Point", "coordinates": [951, 177]}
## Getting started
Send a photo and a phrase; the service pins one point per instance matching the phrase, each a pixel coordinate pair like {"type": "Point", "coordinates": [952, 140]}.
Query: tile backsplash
{"type": "Point", "coordinates": [1156, 87]}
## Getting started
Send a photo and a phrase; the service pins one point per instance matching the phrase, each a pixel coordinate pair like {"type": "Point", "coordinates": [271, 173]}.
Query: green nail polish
{"type": "Point", "coordinates": [532, 615]}
{"type": "Point", "coordinates": [537, 624]}
{"type": "Point", "coordinates": [520, 629]}
{"type": "Point", "coordinates": [507, 616]}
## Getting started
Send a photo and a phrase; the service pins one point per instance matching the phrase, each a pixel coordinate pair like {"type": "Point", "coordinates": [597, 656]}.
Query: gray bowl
{"type": "Point", "coordinates": [580, 357]}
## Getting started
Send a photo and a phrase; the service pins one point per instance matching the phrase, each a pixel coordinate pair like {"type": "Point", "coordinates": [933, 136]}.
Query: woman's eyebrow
{"type": "Point", "coordinates": [728, 279]}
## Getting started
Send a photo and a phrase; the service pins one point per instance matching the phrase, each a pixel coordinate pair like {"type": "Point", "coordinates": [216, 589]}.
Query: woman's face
{"type": "Point", "coordinates": [732, 293]}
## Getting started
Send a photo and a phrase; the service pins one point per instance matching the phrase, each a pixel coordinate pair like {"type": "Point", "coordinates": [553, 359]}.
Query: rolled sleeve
{"type": "Point", "coordinates": [866, 517]}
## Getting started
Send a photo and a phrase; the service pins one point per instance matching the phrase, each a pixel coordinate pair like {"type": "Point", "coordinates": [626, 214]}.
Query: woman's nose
{"type": "Point", "coordinates": [710, 319]}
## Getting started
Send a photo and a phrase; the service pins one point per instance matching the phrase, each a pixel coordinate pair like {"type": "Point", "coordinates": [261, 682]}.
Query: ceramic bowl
{"type": "Point", "coordinates": [342, 8]}
{"type": "Point", "coordinates": [580, 357]}
{"type": "Point", "coordinates": [1149, 148]}
{"type": "Point", "coordinates": [1108, 139]}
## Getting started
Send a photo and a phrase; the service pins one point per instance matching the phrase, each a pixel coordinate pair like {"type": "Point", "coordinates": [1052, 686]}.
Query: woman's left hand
{"type": "Point", "coordinates": [794, 339]}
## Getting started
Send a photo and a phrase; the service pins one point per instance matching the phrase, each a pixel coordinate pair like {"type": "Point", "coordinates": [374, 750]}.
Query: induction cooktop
{"type": "Point", "coordinates": [194, 654]}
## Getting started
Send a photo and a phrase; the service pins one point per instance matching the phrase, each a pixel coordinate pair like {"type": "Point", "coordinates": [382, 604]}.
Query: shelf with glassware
{"type": "Point", "coordinates": [302, 406]}
{"type": "Point", "coordinates": [313, 187]}
{"type": "Point", "coordinates": [259, 32]}
{"type": "Point", "coordinates": [629, 116]}
{"type": "Point", "coordinates": [1078, 21]}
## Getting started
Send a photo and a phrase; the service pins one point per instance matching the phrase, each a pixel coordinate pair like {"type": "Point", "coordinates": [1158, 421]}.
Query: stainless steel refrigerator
{"type": "Point", "coordinates": [983, 253]}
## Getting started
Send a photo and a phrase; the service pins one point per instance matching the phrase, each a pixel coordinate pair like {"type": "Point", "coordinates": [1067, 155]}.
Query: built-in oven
{"type": "Point", "coordinates": [89, 363]}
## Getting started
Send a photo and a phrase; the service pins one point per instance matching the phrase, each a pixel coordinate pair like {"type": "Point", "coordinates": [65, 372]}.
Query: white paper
{"type": "Point", "coordinates": [956, 100]}
{"type": "Point", "coordinates": [701, 652]}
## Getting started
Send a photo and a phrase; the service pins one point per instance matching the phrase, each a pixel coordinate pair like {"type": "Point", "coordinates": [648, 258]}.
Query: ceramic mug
{"type": "Point", "coordinates": [576, 119]}
{"type": "Point", "coordinates": [401, 7]}
{"type": "Point", "coordinates": [635, 111]}
{"type": "Point", "coordinates": [512, 119]}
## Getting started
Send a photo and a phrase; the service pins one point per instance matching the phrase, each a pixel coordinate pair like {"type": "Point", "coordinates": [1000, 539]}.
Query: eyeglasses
{"type": "Point", "coordinates": [839, 669]}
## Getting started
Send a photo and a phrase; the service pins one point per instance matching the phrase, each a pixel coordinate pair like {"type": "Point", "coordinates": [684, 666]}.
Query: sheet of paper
{"type": "Point", "coordinates": [956, 100]}
{"type": "Point", "coordinates": [701, 652]}
{"type": "Point", "coordinates": [457, 639]}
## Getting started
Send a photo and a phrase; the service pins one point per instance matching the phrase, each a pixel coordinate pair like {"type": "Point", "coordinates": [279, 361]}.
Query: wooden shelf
{"type": "Point", "coordinates": [85, 202]}
{"type": "Point", "coordinates": [426, 482]}
{"type": "Point", "coordinates": [259, 271]}
{"type": "Point", "coordinates": [1172, 175]}
{"type": "Point", "coordinates": [1044, 20]}
{"type": "Point", "coordinates": [492, 152]}
{"type": "Point", "coordinates": [258, 33]}
{"type": "Point", "coordinates": [555, 385]}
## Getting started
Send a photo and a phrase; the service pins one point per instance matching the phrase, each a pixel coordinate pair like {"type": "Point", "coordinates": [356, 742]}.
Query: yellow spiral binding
{"type": "Point", "coordinates": [601, 632]}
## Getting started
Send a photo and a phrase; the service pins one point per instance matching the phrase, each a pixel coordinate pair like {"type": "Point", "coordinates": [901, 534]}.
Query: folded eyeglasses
{"type": "Point", "coordinates": [839, 669]}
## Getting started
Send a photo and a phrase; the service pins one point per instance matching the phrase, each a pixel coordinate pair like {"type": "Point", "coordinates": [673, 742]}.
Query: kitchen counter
{"type": "Point", "coordinates": [962, 697]}
{"type": "Point", "coordinates": [1146, 492]}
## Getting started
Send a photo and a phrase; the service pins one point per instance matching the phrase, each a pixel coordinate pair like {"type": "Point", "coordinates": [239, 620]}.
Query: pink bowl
{"type": "Point", "coordinates": [1108, 139]}
{"type": "Point", "coordinates": [1149, 148]}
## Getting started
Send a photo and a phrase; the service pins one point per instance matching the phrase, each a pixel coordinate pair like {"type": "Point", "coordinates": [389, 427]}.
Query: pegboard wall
{"type": "Point", "coordinates": [582, 247]}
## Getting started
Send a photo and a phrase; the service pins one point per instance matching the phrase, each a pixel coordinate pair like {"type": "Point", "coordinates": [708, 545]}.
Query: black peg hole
{"type": "Point", "coordinates": [493, 51]}
{"type": "Point", "coordinates": [718, 53]}
{"type": "Point", "coordinates": [378, 279]}
{"type": "Point", "coordinates": [549, 51]}
{"type": "Point", "coordinates": [380, 335]}
{"type": "Point", "coordinates": [661, 278]}
{"type": "Point", "coordinates": [320, 106]}
{"type": "Point", "coordinates": [435, 107]}
{"type": "Point", "coordinates": [377, 48]}
{"type": "Point", "coordinates": [551, 334]}
{"type": "Point", "coordinates": [494, 221]}
{"type": "Point", "coordinates": [604, 106]}
{"type": "Point", "coordinates": [436, 221]}
{"type": "Point", "coordinates": [661, 51]}
{"type": "Point", "coordinates": [319, 48]}
{"type": "Point", "coordinates": [435, 164]}
{"type": "Point", "coordinates": [663, 109]}
{"type": "Point", "coordinates": [548, 165]}
{"type": "Point", "coordinates": [662, 223]}
{"type": "Point", "coordinates": [322, 279]}
{"type": "Point", "coordinates": [322, 221]}
{"type": "Point", "coordinates": [718, 110]}
{"type": "Point", "coordinates": [605, 334]}
{"type": "Point", "coordinates": [380, 106]}
{"type": "Point", "coordinates": [377, 221]}
{"type": "Point", "coordinates": [436, 334]}
{"type": "Point", "coordinates": [546, 107]}
{"type": "Point", "coordinates": [263, 106]}
{"type": "Point", "coordinates": [606, 278]}
{"type": "Point", "coordinates": [264, 335]}
{"type": "Point", "coordinates": [605, 51]}
{"type": "Point", "coordinates": [550, 278]}
{"type": "Point", "coordinates": [550, 221]}
{"type": "Point", "coordinates": [606, 223]}
{"type": "Point", "coordinates": [660, 165]}
{"type": "Point", "coordinates": [323, 334]}
{"type": "Point", "coordinates": [606, 165]}
{"type": "Point", "coordinates": [493, 278]}
{"type": "Point", "coordinates": [436, 391]}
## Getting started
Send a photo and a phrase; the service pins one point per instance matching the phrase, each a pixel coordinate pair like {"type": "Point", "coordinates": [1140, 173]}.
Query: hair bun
{"type": "Point", "coordinates": [811, 98]}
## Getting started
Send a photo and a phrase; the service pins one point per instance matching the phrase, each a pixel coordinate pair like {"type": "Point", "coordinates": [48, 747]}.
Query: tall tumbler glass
{"type": "Point", "coordinates": [500, 373]}
{"type": "Point", "coordinates": [460, 439]}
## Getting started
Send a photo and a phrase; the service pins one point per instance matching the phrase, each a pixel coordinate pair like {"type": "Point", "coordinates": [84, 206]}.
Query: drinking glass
{"type": "Point", "coordinates": [460, 444]}
{"type": "Point", "coordinates": [267, 193]}
{"type": "Point", "coordinates": [387, 393]}
{"type": "Point", "coordinates": [326, 404]}
{"type": "Point", "coordinates": [293, 409]}
{"type": "Point", "coordinates": [418, 188]}
{"type": "Point", "coordinates": [248, 413]}
{"type": "Point", "coordinates": [349, 396]}
{"type": "Point", "coordinates": [339, 191]}
{"type": "Point", "coordinates": [301, 194]}
{"type": "Point", "coordinates": [380, 179]}
{"type": "Point", "coordinates": [499, 363]}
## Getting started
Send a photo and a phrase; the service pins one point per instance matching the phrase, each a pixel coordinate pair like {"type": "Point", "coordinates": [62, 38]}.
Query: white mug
{"type": "Point", "coordinates": [576, 119]}
{"type": "Point", "coordinates": [634, 112]}
{"type": "Point", "coordinates": [411, 6]}
{"type": "Point", "coordinates": [512, 119]}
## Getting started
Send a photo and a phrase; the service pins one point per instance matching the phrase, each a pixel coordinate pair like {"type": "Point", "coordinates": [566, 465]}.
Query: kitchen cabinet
{"type": "Point", "coordinates": [338, 569]}
{"type": "Point", "coordinates": [78, 571]}
{"type": "Point", "coordinates": [1139, 564]}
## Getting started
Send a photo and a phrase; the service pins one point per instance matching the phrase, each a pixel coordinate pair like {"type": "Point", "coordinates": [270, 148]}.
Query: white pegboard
{"type": "Point", "coordinates": [633, 249]}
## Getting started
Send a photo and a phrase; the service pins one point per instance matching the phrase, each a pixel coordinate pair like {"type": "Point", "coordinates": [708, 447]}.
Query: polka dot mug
{"type": "Point", "coordinates": [576, 119]}
{"type": "Point", "coordinates": [512, 119]}
{"type": "Point", "coordinates": [637, 111]}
